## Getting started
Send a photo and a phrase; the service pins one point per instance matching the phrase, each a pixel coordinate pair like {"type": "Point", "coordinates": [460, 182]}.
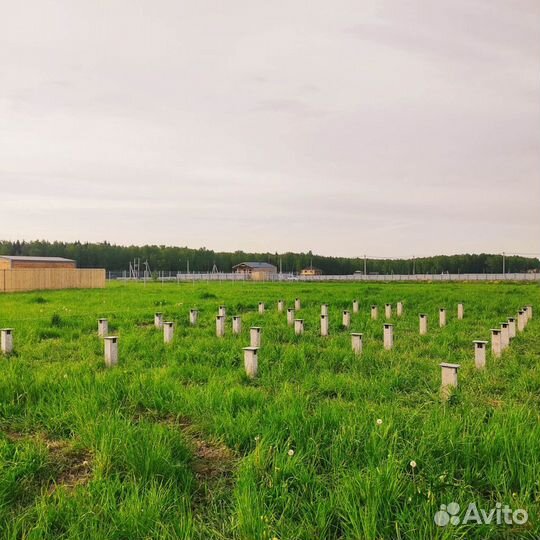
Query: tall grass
{"type": "Point", "coordinates": [176, 442]}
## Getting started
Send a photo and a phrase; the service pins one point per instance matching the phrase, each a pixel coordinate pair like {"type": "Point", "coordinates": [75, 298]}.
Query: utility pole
{"type": "Point", "coordinates": [413, 265]}
{"type": "Point", "coordinates": [365, 265]}
{"type": "Point", "coordinates": [504, 263]}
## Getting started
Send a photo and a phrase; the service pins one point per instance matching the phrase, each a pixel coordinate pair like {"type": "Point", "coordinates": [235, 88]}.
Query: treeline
{"type": "Point", "coordinates": [167, 258]}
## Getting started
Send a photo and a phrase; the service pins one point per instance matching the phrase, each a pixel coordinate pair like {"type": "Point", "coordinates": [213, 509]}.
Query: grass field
{"type": "Point", "coordinates": [176, 442]}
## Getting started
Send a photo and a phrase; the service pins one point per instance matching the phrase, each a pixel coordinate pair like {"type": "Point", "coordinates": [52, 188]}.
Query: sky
{"type": "Point", "coordinates": [379, 127]}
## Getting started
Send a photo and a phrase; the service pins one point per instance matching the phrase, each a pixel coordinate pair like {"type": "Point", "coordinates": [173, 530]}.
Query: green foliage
{"type": "Point", "coordinates": [56, 320]}
{"type": "Point", "coordinates": [38, 300]}
{"type": "Point", "coordinates": [170, 258]}
{"type": "Point", "coordinates": [175, 442]}
{"type": "Point", "coordinates": [207, 295]}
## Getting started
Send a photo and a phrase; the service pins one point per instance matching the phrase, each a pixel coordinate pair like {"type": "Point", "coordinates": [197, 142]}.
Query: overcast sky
{"type": "Point", "coordinates": [391, 128]}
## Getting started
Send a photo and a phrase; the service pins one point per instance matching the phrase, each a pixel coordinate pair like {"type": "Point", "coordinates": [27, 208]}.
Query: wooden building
{"type": "Point", "coordinates": [12, 262]}
{"type": "Point", "coordinates": [258, 271]}
{"type": "Point", "coordinates": [311, 271]}
{"type": "Point", "coordinates": [21, 273]}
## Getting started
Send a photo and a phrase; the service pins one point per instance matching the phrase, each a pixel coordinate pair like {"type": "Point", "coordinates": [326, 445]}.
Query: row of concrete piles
{"type": "Point", "coordinates": [251, 353]}
{"type": "Point", "coordinates": [501, 339]}
{"type": "Point", "coordinates": [111, 342]}
{"type": "Point", "coordinates": [423, 318]}
{"type": "Point", "coordinates": [448, 370]}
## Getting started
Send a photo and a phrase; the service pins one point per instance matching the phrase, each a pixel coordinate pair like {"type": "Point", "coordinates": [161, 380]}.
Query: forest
{"type": "Point", "coordinates": [171, 258]}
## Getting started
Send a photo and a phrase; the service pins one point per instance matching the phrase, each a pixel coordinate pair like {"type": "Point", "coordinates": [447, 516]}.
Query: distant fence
{"type": "Point", "coordinates": [51, 278]}
{"type": "Point", "coordinates": [426, 277]}
{"type": "Point", "coordinates": [220, 276]}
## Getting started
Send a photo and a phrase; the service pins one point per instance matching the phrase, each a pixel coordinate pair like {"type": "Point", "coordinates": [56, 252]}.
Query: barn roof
{"type": "Point", "coordinates": [35, 259]}
{"type": "Point", "coordinates": [255, 265]}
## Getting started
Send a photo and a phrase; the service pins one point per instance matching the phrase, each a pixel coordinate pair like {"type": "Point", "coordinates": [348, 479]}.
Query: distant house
{"type": "Point", "coordinates": [311, 271]}
{"type": "Point", "coordinates": [258, 271]}
{"type": "Point", "coordinates": [12, 262]}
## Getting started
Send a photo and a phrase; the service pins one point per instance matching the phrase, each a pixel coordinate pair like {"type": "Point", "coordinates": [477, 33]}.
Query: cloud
{"type": "Point", "coordinates": [408, 126]}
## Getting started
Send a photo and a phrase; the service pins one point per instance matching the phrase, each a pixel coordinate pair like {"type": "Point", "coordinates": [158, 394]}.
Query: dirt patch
{"type": "Point", "coordinates": [495, 402]}
{"type": "Point", "coordinates": [213, 465]}
{"type": "Point", "coordinates": [213, 461]}
{"type": "Point", "coordinates": [146, 325]}
{"type": "Point", "coordinates": [70, 467]}
{"type": "Point", "coordinates": [73, 466]}
{"type": "Point", "coordinates": [15, 436]}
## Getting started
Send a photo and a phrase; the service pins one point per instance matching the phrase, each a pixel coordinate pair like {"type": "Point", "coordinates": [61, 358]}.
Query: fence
{"type": "Point", "coordinates": [51, 278]}
{"type": "Point", "coordinates": [426, 277]}
{"type": "Point", "coordinates": [178, 277]}
{"type": "Point", "coordinates": [205, 276]}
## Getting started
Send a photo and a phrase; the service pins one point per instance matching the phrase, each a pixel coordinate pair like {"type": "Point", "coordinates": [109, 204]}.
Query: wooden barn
{"type": "Point", "coordinates": [11, 262]}
{"type": "Point", "coordinates": [25, 273]}
{"type": "Point", "coordinates": [258, 271]}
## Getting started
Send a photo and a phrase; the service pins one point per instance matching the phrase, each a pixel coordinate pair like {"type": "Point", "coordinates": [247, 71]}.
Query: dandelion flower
{"type": "Point", "coordinates": [379, 421]}
{"type": "Point", "coordinates": [291, 452]}
{"type": "Point", "coordinates": [413, 464]}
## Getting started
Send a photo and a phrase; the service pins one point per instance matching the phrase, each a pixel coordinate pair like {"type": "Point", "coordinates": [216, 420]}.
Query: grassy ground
{"type": "Point", "coordinates": [175, 442]}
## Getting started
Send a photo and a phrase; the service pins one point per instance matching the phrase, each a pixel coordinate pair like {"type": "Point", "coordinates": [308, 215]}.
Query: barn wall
{"type": "Point", "coordinates": [24, 279]}
{"type": "Point", "coordinates": [261, 275]}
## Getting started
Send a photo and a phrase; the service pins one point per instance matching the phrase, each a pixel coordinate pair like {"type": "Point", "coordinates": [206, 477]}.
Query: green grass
{"type": "Point", "coordinates": [176, 442]}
